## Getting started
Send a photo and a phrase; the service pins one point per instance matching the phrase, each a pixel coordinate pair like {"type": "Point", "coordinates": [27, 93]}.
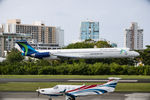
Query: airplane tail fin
{"type": "Point", "coordinates": [112, 83]}
{"type": "Point", "coordinates": [26, 49]}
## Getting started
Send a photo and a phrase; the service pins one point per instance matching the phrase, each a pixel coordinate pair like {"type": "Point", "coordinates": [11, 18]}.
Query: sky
{"type": "Point", "coordinates": [114, 16]}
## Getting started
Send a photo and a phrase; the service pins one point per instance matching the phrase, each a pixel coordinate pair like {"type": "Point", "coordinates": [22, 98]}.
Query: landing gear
{"type": "Point", "coordinates": [50, 99]}
{"type": "Point", "coordinates": [70, 98]}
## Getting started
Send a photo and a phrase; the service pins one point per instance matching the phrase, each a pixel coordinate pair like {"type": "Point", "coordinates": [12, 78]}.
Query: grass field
{"type": "Point", "coordinates": [76, 76]}
{"type": "Point", "coordinates": [32, 86]}
{"type": "Point", "coordinates": [28, 86]}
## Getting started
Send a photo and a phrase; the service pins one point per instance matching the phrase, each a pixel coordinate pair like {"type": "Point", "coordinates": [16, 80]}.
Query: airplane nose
{"type": "Point", "coordinates": [136, 54]}
{"type": "Point", "coordinates": [38, 92]}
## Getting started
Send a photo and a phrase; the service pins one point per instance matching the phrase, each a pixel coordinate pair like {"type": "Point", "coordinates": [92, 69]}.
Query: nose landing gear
{"type": "Point", "coordinates": [70, 98]}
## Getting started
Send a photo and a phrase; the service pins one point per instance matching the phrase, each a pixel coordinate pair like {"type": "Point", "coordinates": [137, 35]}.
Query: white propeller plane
{"type": "Point", "coordinates": [73, 91]}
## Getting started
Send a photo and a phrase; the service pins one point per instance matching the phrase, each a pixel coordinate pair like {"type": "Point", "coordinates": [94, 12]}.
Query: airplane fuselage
{"type": "Point", "coordinates": [91, 53]}
{"type": "Point", "coordinates": [58, 90]}
{"type": "Point", "coordinates": [86, 53]}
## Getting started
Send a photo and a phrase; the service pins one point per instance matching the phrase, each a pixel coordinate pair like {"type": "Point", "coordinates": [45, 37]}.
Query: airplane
{"type": "Point", "coordinates": [73, 91]}
{"type": "Point", "coordinates": [88, 53]}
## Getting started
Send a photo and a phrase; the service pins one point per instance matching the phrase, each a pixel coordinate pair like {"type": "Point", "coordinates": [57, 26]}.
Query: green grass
{"type": "Point", "coordinates": [28, 86]}
{"type": "Point", "coordinates": [32, 86]}
{"type": "Point", "coordinates": [133, 87]}
{"type": "Point", "coordinates": [76, 76]}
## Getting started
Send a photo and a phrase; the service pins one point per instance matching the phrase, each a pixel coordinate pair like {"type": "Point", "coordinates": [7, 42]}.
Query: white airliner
{"type": "Point", "coordinates": [73, 91]}
{"type": "Point", "coordinates": [88, 53]}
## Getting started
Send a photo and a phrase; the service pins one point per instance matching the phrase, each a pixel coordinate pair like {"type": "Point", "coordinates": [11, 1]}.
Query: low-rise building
{"type": "Point", "coordinates": [7, 41]}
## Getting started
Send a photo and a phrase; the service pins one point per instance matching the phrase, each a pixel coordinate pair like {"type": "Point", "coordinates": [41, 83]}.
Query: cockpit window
{"type": "Point", "coordinates": [56, 87]}
{"type": "Point", "coordinates": [42, 90]}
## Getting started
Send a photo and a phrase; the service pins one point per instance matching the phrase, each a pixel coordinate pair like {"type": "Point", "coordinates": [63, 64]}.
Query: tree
{"type": "Point", "coordinates": [145, 55]}
{"type": "Point", "coordinates": [102, 44]}
{"type": "Point", "coordinates": [14, 56]}
{"type": "Point", "coordinates": [89, 44]}
{"type": "Point", "coordinates": [148, 46]}
{"type": "Point", "coordinates": [80, 45]}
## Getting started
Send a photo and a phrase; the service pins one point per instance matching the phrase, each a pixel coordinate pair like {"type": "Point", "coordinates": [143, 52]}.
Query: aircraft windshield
{"type": "Point", "coordinates": [56, 87]}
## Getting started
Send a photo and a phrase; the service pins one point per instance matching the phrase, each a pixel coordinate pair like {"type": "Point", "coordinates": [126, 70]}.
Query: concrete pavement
{"type": "Point", "coordinates": [107, 96]}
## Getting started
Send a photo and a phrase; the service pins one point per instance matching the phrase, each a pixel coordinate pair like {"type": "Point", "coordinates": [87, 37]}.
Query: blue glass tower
{"type": "Point", "coordinates": [89, 30]}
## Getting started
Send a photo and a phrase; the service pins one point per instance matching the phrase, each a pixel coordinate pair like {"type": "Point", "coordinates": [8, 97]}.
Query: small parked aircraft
{"type": "Point", "coordinates": [73, 91]}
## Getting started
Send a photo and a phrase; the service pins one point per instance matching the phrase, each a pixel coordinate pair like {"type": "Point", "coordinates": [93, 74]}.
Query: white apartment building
{"type": "Point", "coordinates": [134, 37]}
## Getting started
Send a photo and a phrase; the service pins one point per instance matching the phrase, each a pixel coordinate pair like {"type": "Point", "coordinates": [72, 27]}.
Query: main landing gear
{"type": "Point", "coordinates": [70, 98]}
{"type": "Point", "coordinates": [50, 98]}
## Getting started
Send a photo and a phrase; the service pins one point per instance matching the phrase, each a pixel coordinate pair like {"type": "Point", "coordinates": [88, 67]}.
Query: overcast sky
{"type": "Point", "coordinates": [113, 15]}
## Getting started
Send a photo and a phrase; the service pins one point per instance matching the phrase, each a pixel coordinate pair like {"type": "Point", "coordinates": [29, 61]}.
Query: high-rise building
{"type": "Point", "coordinates": [39, 35]}
{"type": "Point", "coordinates": [134, 37]}
{"type": "Point", "coordinates": [89, 30]}
{"type": "Point", "coordinates": [1, 29]}
{"type": "Point", "coordinates": [60, 36]}
{"type": "Point", "coordinates": [39, 32]}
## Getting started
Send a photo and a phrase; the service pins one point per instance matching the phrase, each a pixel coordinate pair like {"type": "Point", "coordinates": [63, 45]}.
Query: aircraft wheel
{"type": "Point", "coordinates": [70, 98]}
{"type": "Point", "coordinates": [50, 99]}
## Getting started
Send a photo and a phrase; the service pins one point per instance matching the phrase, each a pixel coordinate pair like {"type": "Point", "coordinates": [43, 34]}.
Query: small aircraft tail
{"type": "Point", "coordinates": [27, 50]}
{"type": "Point", "coordinates": [112, 83]}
